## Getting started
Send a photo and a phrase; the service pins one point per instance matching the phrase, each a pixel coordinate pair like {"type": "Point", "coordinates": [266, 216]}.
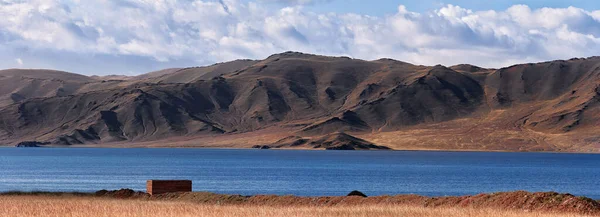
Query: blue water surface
{"type": "Point", "coordinates": [306, 173]}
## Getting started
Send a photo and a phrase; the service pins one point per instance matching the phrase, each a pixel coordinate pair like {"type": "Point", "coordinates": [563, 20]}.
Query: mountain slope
{"type": "Point", "coordinates": [187, 75]}
{"type": "Point", "coordinates": [550, 106]}
{"type": "Point", "coordinates": [21, 84]}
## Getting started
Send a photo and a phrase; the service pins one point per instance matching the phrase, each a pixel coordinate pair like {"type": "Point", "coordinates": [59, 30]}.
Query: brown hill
{"type": "Point", "coordinates": [44, 74]}
{"type": "Point", "coordinates": [550, 106]}
{"type": "Point", "coordinates": [334, 141]}
{"type": "Point", "coordinates": [17, 85]}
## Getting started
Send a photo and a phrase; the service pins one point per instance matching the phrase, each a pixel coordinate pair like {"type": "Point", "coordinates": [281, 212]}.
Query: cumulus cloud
{"type": "Point", "coordinates": [208, 31]}
{"type": "Point", "coordinates": [296, 2]}
{"type": "Point", "coordinates": [19, 61]}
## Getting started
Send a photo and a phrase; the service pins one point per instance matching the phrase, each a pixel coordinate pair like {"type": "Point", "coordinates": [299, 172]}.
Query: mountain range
{"type": "Point", "coordinates": [297, 100]}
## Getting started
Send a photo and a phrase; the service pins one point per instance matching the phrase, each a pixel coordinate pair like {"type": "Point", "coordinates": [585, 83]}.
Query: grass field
{"type": "Point", "coordinates": [91, 207]}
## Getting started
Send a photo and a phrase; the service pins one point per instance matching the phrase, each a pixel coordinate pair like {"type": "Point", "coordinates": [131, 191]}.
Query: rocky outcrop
{"type": "Point", "coordinates": [31, 144]}
{"type": "Point", "coordinates": [334, 141]}
{"type": "Point", "coordinates": [357, 193]}
{"type": "Point", "coordinates": [124, 193]}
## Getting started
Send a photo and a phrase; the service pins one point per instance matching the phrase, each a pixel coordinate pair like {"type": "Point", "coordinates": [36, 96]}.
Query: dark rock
{"type": "Point", "coordinates": [341, 147]}
{"type": "Point", "coordinates": [261, 147]}
{"type": "Point", "coordinates": [101, 192]}
{"type": "Point", "coordinates": [30, 144]}
{"type": "Point", "coordinates": [121, 194]}
{"type": "Point", "coordinates": [357, 193]}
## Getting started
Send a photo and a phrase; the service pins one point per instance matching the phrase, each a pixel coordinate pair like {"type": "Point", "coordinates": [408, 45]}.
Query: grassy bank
{"type": "Point", "coordinates": [40, 205]}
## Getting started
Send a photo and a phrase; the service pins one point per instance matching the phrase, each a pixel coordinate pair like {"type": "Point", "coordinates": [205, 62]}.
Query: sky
{"type": "Point", "coordinates": [130, 37]}
{"type": "Point", "coordinates": [388, 7]}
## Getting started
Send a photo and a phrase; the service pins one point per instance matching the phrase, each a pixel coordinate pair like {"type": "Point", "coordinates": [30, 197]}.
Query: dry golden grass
{"type": "Point", "coordinates": [91, 207]}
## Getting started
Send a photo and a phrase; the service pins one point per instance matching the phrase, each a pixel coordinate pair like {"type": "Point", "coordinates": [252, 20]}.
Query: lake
{"type": "Point", "coordinates": [306, 173]}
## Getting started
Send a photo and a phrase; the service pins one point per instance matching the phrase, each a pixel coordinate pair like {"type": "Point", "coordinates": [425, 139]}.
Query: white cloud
{"type": "Point", "coordinates": [19, 61]}
{"type": "Point", "coordinates": [295, 2]}
{"type": "Point", "coordinates": [207, 31]}
{"type": "Point", "coordinates": [596, 15]}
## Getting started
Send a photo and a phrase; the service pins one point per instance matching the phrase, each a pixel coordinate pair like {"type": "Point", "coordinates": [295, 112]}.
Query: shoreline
{"type": "Point", "coordinates": [291, 149]}
{"type": "Point", "coordinates": [141, 192]}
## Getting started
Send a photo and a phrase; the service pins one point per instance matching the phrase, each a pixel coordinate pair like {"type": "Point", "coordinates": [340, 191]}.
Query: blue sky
{"type": "Point", "coordinates": [137, 36]}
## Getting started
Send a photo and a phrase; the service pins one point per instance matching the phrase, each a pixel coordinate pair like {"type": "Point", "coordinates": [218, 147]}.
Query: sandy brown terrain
{"type": "Point", "coordinates": [59, 207]}
{"type": "Point", "coordinates": [129, 203]}
{"type": "Point", "coordinates": [303, 101]}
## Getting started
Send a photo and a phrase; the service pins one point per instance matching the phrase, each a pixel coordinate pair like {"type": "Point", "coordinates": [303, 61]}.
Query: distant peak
{"type": "Point", "coordinates": [223, 63]}
{"type": "Point", "coordinates": [291, 54]}
{"type": "Point", "coordinates": [467, 68]}
{"type": "Point", "coordinates": [439, 67]}
{"type": "Point", "coordinates": [594, 58]}
{"type": "Point", "coordinates": [294, 54]}
{"type": "Point", "coordinates": [584, 58]}
{"type": "Point", "coordinates": [390, 60]}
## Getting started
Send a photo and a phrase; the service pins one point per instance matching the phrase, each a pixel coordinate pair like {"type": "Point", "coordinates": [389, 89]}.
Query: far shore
{"type": "Point", "coordinates": [126, 146]}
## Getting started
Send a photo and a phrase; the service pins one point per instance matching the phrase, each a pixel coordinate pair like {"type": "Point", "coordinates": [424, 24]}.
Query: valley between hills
{"type": "Point", "coordinates": [302, 101]}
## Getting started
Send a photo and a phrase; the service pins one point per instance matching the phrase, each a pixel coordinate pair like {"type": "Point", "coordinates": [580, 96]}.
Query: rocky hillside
{"type": "Point", "coordinates": [550, 106]}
